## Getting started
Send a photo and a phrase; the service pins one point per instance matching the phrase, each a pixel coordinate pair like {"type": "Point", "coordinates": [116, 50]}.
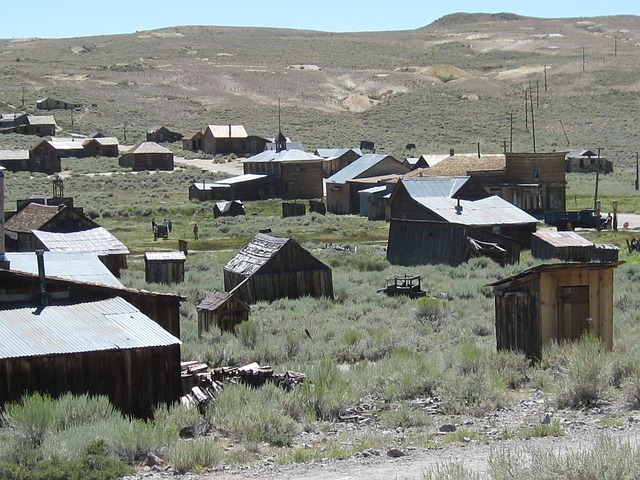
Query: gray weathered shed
{"type": "Point", "coordinates": [164, 267]}
{"type": "Point", "coordinates": [567, 246]}
{"type": "Point", "coordinates": [277, 268]}
{"type": "Point", "coordinates": [222, 309]}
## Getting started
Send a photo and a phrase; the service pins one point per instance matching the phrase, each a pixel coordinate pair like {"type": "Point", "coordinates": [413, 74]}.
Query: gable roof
{"type": "Point", "coordinates": [79, 267]}
{"type": "Point", "coordinates": [41, 120]}
{"type": "Point", "coordinates": [148, 147]}
{"type": "Point", "coordinates": [563, 239]}
{"type": "Point", "coordinates": [358, 167]}
{"type": "Point", "coordinates": [227, 131]}
{"type": "Point", "coordinates": [104, 141]}
{"type": "Point", "coordinates": [14, 154]}
{"type": "Point", "coordinates": [461, 164]}
{"type": "Point", "coordinates": [283, 156]}
{"type": "Point", "coordinates": [484, 212]}
{"type": "Point", "coordinates": [418, 187]}
{"type": "Point", "coordinates": [329, 153]}
{"type": "Point", "coordinates": [226, 206]}
{"type": "Point", "coordinates": [31, 217]}
{"type": "Point", "coordinates": [95, 240]}
{"type": "Point", "coordinates": [548, 267]}
{"type": "Point", "coordinates": [64, 328]}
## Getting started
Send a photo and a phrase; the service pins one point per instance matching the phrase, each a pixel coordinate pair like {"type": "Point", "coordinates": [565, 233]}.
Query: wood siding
{"type": "Point", "coordinates": [164, 271]}
{"type": "Point", "coordinates": [225, 317]}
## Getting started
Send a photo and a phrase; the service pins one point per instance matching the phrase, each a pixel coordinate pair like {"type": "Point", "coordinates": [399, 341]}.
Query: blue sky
{"type": "Point", "coordinates": [80, 18]}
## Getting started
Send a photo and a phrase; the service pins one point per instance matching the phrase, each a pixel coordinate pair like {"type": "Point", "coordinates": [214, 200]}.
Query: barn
{"type": "Point", "coordinates": [101, 347]}
{"type": "Point", "coordinates": [276, 268]}
{"type": "Point", "coordinates": [164, 267]}
{"type": "Point", "coordinates": [554, 302]}
{"type": "Point", "coordinates": [222, 309]}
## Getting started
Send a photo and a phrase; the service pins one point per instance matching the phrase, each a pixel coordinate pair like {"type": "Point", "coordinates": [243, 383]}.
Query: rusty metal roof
{"type": "Point", "coordinates": [79, 267]}
{"type": "Point", "coordinates": [112, 324]}
{"type": "Point", "coordinates": [95, 240]}
{"type": "Point", "coordinates": [31, 217]}
{"type": "Point", "coordinates": [163, 256]}
{"type": "Point", "coordinates": [486, 211]}
{"type": "Point", "coordinates": [563, 239]}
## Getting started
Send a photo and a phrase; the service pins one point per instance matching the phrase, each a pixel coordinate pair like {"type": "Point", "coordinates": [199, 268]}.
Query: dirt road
{"type": "Point", "coordinates": [232, 168]}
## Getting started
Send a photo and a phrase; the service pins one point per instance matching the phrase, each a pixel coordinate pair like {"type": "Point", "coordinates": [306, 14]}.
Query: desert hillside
{"type": "Point", "coordinates": [450, 84]}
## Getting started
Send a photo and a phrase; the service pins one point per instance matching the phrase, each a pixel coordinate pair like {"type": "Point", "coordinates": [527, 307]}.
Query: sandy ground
{"type": "Point", "coordinates": [232, 168]}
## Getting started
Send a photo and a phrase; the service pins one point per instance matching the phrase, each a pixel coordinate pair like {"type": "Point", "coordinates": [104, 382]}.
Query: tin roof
{"type": "Point", "coordinates": [486, 211]}
{"type": "Point", "coordinates": [148, 147]}
{"type": "Point", "coordinates": [283, 156]}
{"type": "Point", "coordinates": [174, 256]}
{"type": "Point", "coordinates": [358, 167]}
{"type": "Point", "coordinates": [67, 143]}
{"type": "Point", "coordinates": [79, 267]}
{"type": "Point", "coordinates": [504, 282]}
{"type": "Point", "coordinates": [41, 120]}
{"type": "Point", "coordinates": [330, 153]}
{"type": "Point", "coordinates": [226, 206]}
{"type": "Point", "coordinates": [249, 177]}
{"type": "Point", "coordinates": [95, 240]}
{"type": "Point", "coordinates": [418, 187]}
{"type": "Point", "coordinates": [112, 324]}
{"type": "Point", "coordinates": [563, 239]}
{"type": "Point", "coordinates": [227, 131]}
{"type": "Point", "coordinates": [203, 186]}
{"type": "Point", "coordinates": [14, 154]}
{"type": "Point", "coordinates": [31, 217]}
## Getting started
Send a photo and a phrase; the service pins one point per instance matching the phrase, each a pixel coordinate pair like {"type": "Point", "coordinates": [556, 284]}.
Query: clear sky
{"type": "Point", "coordinates": [80, 18]}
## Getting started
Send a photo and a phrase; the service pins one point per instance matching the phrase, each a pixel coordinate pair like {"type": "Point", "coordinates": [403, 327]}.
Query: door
{"type": "Point", "coordinates": [573, 312]}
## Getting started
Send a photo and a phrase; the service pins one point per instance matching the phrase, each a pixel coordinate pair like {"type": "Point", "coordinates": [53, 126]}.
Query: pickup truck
{"type": "Point", "coordinates": [569, 220]}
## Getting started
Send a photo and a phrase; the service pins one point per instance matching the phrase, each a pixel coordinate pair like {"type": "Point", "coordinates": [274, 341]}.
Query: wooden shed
{"type": "Point", "coordinates": [277, 268]}
{"type": "Point", "coordinates": [103, 347]}
{"type": "Point", "coordinates": [554, 302]}
{"type": "Point", "coordinates": [231, 208]}
{"type": "Point", "coordinates": [293, 209]}
{"type": "Point", "coordinates": [567, 246]}
{"type": "Point", "coordinates": [222, 309]}
{"type": "Point", "coordinates": [164, 267]}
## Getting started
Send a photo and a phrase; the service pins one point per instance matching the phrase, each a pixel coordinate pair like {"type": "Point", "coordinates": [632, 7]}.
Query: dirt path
{"type": "Point", "coordinates": [232, 168]}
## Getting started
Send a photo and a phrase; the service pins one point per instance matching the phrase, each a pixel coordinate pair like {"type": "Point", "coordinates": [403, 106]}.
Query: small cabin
{"type": "Point", "coordinates": [554, 302]}
{"type": "Point", "coordinates": [222, 309]}
{"type": "Point", "coordinates": [164, 267]}
{"type": "Point", "coordinates": [567, 246]}
{"type": "Point", "coordinates": [231, 208]}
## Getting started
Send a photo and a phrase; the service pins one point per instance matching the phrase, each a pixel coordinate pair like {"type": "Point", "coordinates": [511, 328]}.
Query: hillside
{"type": "Point", "coordinates": [450, 84]}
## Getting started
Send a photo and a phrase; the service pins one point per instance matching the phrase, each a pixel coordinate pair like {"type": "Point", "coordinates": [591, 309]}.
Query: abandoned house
{"type": "Point", "coordinates": [161, 134]}
{"type": "Point", "coordinates": [15, 160]}
{"type": "Point", "coordinates": [101, 147]}
{"type": "Point", "coordinates": [554, 302]}
{"type": "Point", "coordinates": [292, 173]}
{"type": "Point", "coordinates": [224, 310]}
{"type": "Point", "coordinates": [227, 139]}
{"type": "Point", "coordinates": [231, 208]}
{"type": "Point", "coordinates": [276, 268]}
{"type": "Point", "coordinates": [241, 187]}
{"type": "Point", "coordinates": [68, 146]}
{"type": "Point", "coordinates": [336, 159]}
{"type": "Point", "coordinates": [192, 141]}
{"type": "Point", "coordinates": [416, 162]}
{"type": "Point", "coordinates": [40, 125]}
{"type": "Point", "coordinates": [147, 156]}
{"type": "Point", "coordinates": [367, 171]}
{"type": "Point", "coordinates": [164, 267]}
{"type": "Point", "coordinates": [44, 157]}
{"type": "Point", "coordinates": [53, 104]}
{"type": "Point", "coordinates": [586, 161]}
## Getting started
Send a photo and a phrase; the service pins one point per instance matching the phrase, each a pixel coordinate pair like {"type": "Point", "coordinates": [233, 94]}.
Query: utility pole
{"type": "Point", "coordinates": [526, 111]}
{"type": "Point", "coordinates": [23, 96]}
{"type": "Point", "coordinates": [615, 46]}
{"type": "Point", "coordinates": [537, 94]}
{"type": "Point", "coordinates": [637, 172]}
{"type": "Point", "coordinates": [533, 123]}
{"type": "Point", "coordinates": [595, 197]}
{"type": "Point", "coordinates": [124, 131]}
{"type": "Point", "coordinates": [583, 58]}
{"type": "Point", "coordinates": [545, 78]}
{"type": "Point", "coordinates": [511, 132]}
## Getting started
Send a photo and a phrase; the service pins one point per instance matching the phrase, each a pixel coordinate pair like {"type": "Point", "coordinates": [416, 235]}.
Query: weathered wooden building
{"type": "Point", "coordinates": [147, 156]}
{"type": "Point", "coordinates": [230, 208]}
{"type": "Point", "coordinates": [336, 159]}
{"type": "Point", "coordinates": [164, 267]}
{"type": "Point", "coordinates": [293, 209]}
{"type": "Point", "coordinates": [19, 228]}
{"type": "Point", "coordinates": [40, 125]}
{"type": "Point", "coordinates": [192, 141]}
{"type": "Point", "coordinates": [370, 201]}
{"type": "Point", "coordinates": [227, 139]}
{"type": "Point", "coordinates": [101, 147]}
{"type": "Point", "coordinates": [15, 160]}
{"type": "Point", "coordinates": [276, 268]}
{"type": "Point", "coordinates": [586, 161]}
{"type": "Point", "coordinates": [554, 302]}
{"type": "Point", "coordinates": [430, 242]}
{"type": "Point", "coordinates": [68, 146]}
{"type": "Point", "coordinates": [342, 194]}
{"type": "Point", "coordinates": [291, 173]}
{"type": "Point", "coordinates": [566, 246]}
{"type": "Point", "coordinates": [44, 157]}
{"type": "Point", "coordinates": [224, 310]}
{"type": "Point", "coordinates": [49, 103]}
{"type": "Point", "coordinates": [161, 134]}
{"type": "Point", "coordinates": [241, 187]}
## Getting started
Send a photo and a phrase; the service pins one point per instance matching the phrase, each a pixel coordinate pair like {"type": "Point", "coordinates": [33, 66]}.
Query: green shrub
{"type": "Point", "coordinates": [406, 416]}
{"type": "Point", "coordinates": [431, 309]}
{"type": "Point", "coordinates": [194, 455]}
{"type": "Point", "coordinates": [247, 333]}
{"type": "Point", "coordinates": [325, 392]}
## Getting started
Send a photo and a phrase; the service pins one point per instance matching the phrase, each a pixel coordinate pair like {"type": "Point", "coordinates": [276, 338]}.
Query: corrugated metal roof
{"type": "Point", "coordinates": [112, 324]}
{"type": "Point", "coordinates": [79, 267]}
{"type": "Point", "coordinates": [563, 239]}
{"type": "Point", "coordinates": [249, 177]}
{"type": "Point", "coordinates": [255, 254]}
{"type": "Point", "coordinates": [228, 131]}
{"type": "Point", "coordinates": [31, 217]}
{"type": "Point", "coordinates": [41, 120]}
{"type": "Point", "coordinates": [14, 154]}
{"type": "Point", "coordinates": [95, 240]}
{"type": "Point", "coordinates": [203, 186]}
{"type": "Point", "coordinates": [434, 186]}
{"type": "Point", "coordinates": [67, 143]}
{"type": "Point", "coordinates": [148, 147]}
{"type": "Point", "coordinates": [176, 255]}
{"type": "Point", "coordinates": [226, 206]}
{"type": "Point", "coordinates": [486, 211]}
{"type": "Point", "coordinates": [383, 188]}
{"type": "Point", "coordinates": [283, 156]}
{"type": "Point", "coordinates": [330, 153]}
{"type": "Point", "coordinates": [356, 168]}
{"type": "Point", "coordinates": [104, 141]}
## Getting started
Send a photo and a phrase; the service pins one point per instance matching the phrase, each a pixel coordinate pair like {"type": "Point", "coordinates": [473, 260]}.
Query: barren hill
{"type": "Point", "coordinates": [451, 84]}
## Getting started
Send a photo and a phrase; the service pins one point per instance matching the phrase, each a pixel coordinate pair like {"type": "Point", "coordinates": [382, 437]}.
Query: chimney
{"type": "Point", "coordinates": [451, 152]}
{"type": "Point", "coordinates": [478, 149]}
{"type": "Point", "coordinates": [4, 261]}
{"type": "Point", "coordinates": [459, 207]}
{"type": "Point", "coordinates": [229, 130]}
{"type": "Point", "coordinates": [42, 277]}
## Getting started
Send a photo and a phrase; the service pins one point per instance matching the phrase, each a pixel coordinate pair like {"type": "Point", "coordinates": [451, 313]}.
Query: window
{"type": "Point", "coordinates": [299, 168]}
{"type": "Point", "coordinates": [288, 188]}
{"type": "Point", "coordinates": [536, 172]}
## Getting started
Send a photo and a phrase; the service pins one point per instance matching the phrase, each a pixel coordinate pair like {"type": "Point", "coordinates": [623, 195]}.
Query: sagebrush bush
{"type": "Point", "coordinates": [196, 454]}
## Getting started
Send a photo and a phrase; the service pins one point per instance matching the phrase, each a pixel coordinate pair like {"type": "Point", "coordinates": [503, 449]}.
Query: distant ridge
{"type": "Point", "coordinates": [462, 18]}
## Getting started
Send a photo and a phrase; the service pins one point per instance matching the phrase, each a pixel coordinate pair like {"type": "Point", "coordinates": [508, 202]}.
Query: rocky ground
{"type": "Point", "coordinates": [402, 459]}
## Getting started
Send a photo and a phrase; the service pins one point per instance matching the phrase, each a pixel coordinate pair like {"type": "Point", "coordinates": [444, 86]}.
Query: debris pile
{"type": "Point", "coordinates": [201, 384]}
